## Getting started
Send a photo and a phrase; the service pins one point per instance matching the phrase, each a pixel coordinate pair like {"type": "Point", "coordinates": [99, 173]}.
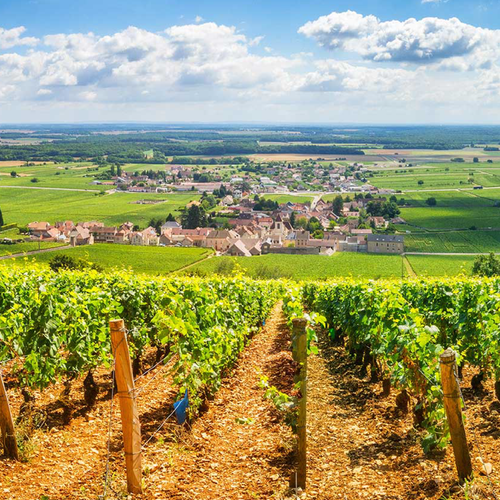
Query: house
{"type": "Point", "coordinates": [378, 221]}
{"type": "Point", "coordinates": [221, 240]}
{"type": "Point", "coordinates": [148, 237]}
{"type": "Point", "coordinates": [80, 236]}
{"type": "Point", "coordinates": [302, 239]}
{"type": "Point", "coordinates": [385, 243]}
{"type": "Point", "coordinates": [104, 234]}
{"type": "Point", "coordinates": [238, 249]}
{"type": "Point", "coordinates": [170, 224]}
{"type": "Point", "coordinates": [39, 229]}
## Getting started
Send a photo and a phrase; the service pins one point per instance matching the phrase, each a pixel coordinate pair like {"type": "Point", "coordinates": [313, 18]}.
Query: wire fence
{"type": "Point", "coordinates": [107, 487]}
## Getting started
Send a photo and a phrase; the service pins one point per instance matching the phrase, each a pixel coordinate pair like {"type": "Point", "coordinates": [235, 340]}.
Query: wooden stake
{"type": "Point", "coordinates": [131, 425]}
{"type": "Point", "coordinates": [300, 340]}
{"type": "Point", "coordinates": [7, 424]}
{"type": "Point", "coordinates": [453, 407]}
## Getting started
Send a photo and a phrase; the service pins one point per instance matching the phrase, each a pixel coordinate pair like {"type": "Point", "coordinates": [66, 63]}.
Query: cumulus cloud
{"type": "Point", "coordinates": [11, 38]}
{"type": "Point", "coordinates": [338, 76]}
{"type": "Point", "coordinates": [211, 66]}
{"type": "Point", "coordinates": [427, 41]}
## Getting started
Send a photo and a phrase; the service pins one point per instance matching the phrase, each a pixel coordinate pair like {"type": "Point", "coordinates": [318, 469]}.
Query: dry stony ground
{"type": "Point", "coordinates": [362, 447]}
{"type": "Point", "coordinates": [359, 446]}
{"type": "Point", "coordinates": [238, 448]}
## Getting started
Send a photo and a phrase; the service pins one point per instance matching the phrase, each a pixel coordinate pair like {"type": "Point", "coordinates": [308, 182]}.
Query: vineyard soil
{"type": "Point", "coordinates": [239, 447]}
{"type": "Point", "coordinates": [362, 447]}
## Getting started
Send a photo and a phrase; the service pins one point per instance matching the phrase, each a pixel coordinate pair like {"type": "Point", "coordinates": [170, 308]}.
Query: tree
{"type": "Point", "coordinates": [431, 202]}
{"type": "Point", "coordinates": [293, 219]}
{"type": "Point", "coordinates": [2, 223]}
{"type": "Point", "coordinates": [486, 265]}
{"type": "Point", "coordinates": [194, 217]}
{"type": "Point", "coordinates": [475, 160]}
{"type": "Point", "coordinates": [34, 180]}
{"type": "Point", "coordinates": [13, 174]}
{"type": "Point", "coordinates": [390, 210]}
{"type": "Point", "coordinates": [170, 218]}
{"type": "Point", "coordinates": [338, 205]}
{"type": "Point", "coordinates": [118, 170]}
{"type": "Point", "coordinates": [420, 183]}
{"type": "Point", "coordinates": [156, 223]}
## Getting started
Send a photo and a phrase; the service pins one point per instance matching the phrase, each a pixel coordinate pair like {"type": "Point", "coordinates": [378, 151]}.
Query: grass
{"type": "Point", "coordinates": [28, 246]}
{"type": "Point", "coordinates": [26, 205]}
{"type": "Point", "coordinates": [437, 176]}
{"type": "Point", "coordinates": [454, 242]}
{"type": "Point", "coordinates": [454, 210]}
{"type": "Point", "coordinates": [441, 265]}
{"type": "Point", "coordinates": [146, 260]}
{"type": "Point", "coordinates": [285, 198]}
{"type": "Point", "coordinates": [305, 267]}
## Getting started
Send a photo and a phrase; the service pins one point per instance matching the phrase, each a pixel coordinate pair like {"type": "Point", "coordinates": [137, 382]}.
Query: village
{"type": "Point", "coordinates": [289, 228]}
{"type": "Point", "coordinates": [256, 178]}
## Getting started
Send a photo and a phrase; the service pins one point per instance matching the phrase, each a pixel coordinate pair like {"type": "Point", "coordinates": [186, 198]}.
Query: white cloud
{"type": "Point", "coordinates": [214, 72]}
{"type": "Point", "coordinates": [427, 41]}
{"type": "Point", "coordinates": [11, 38]}
{"type": "Point", "coordinates": [198, 19]}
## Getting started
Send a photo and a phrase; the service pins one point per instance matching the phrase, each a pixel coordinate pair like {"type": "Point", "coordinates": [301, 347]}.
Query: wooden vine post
{"type": "Point", "coordinates": [130, 416]}
{"type": "Point", "coordinates": [453, 406]}
{"type": "Point", "coordinates": [300, 356]}
{"type": "Point", "coordinates": [7, 424]}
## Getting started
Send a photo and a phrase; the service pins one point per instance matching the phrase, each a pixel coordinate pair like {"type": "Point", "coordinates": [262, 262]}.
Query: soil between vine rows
{"type": "Point", "coordinates": [237, 449]}
{"type": "Point", "coordinates": [359, 446]}
{"type": "Point", "coordinates": [362, 447]}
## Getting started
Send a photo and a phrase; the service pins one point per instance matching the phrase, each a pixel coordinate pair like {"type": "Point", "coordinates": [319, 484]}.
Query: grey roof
{"type": "Point", "coordinates": [385, 238]}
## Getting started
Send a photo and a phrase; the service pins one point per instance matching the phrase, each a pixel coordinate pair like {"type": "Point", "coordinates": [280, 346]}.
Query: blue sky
{"type": "Point", "coordinates": [385, 61]}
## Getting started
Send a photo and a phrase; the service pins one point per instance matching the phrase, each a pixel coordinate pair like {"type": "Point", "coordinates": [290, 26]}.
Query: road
{"type": "Point", "coordinates": [34, 252]}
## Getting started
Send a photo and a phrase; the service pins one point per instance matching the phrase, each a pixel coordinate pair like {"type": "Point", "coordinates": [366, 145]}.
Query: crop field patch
{"type": "Point", "coordinates": [305, 267]}
{"type": "Point", "coordinates": [22, 206]}
{"type": "Point", "coordinates": [147, 260]}
{"type": "Point", "coordinates": [454, 242]}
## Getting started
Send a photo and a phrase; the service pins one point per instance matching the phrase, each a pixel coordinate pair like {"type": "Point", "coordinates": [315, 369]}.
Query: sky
{"type": "Point", "coordinates": [273, 61]}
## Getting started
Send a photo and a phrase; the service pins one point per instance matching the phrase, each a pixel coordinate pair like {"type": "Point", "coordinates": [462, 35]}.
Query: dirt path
{"type": "Point", "coordinates": [238, 449]}
{"type": "Point", "coordinates": [360, 446]}
{"type": "Point", "coordinates": [409, 269]}
{"type": "Point", "coordinates": [34, 252]}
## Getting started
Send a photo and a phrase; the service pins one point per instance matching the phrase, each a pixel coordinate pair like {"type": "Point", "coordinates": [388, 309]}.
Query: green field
{"type": "Point", "coordinates": [147, 260]}
{"type": "Point", "coordinates": [22, 206]}
{"type": "Point", "coordinates": [440, 265]}
{"type": "Point", "coordinates": [305, 267]}
{"type": "Point", "coordinates": [26, 247]}
{"type": "Point", "coordinates": [437, 176]}
{"type": "Point", "coordinates": [454, 210]}
{"type": "Point", "coordinates": [453, 242]}
{"type": "Point", "coordinates": [285, 198]}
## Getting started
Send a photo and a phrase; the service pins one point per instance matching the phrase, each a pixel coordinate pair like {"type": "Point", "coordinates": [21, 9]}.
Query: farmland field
{"type": "Point", "coordinates": [453, 241]}
{"type": "Point", "coordinates": [305, 267]}
{"type": "Point", "coordinates": [441, 265]}
{"type": "Point", "coordinates": [22, 206]}
{"type": "Point", "coordinates": [454, 210]}
{"type": "Point", "coordinates": [26, 247]}
{"type": "Point", "coordinates": [285, 198]}
{"type": "Point", "coordinates": [146, 260]}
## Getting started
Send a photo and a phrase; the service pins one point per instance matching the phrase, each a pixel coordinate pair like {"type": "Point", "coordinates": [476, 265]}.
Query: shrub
{"type": "Point", "coordinates": [486, 265]}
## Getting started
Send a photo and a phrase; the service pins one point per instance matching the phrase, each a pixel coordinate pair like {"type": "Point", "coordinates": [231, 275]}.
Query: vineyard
{"type": "Point", "coordinates": [226, 352]}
